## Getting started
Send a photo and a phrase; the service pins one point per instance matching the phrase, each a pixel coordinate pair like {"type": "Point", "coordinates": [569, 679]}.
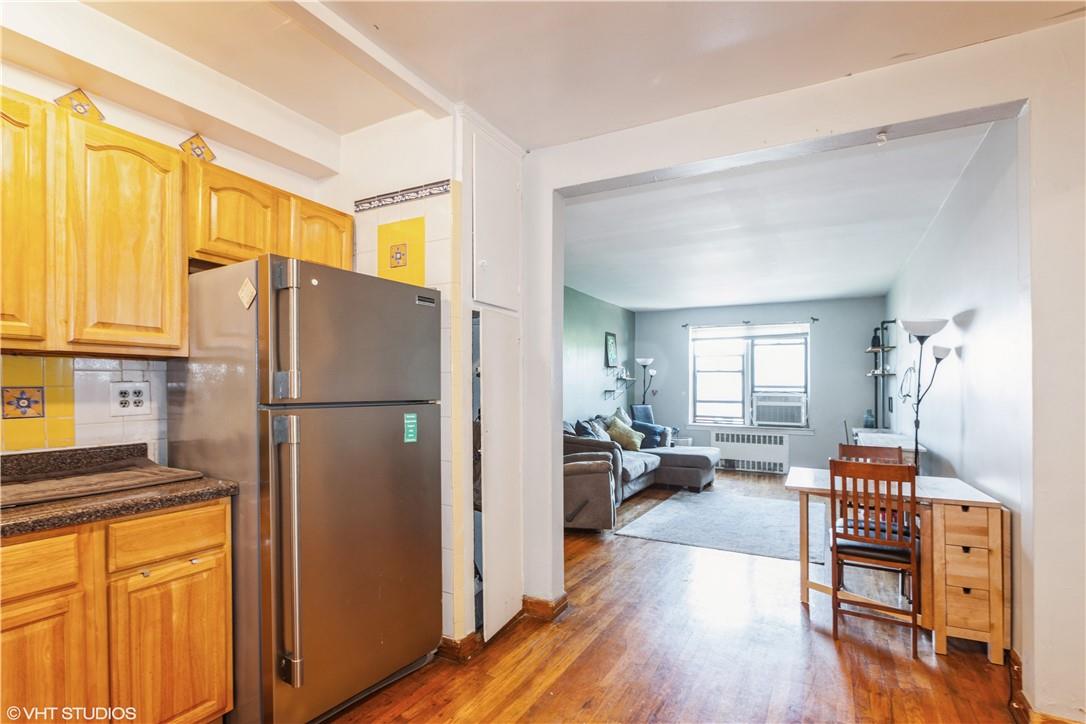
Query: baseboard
{"type": "Point", "coordinates": [1020, 707]}
{"type": "Point", "coordinates": [460, 650]}
{"type": "Point", "coordinates": [542, 609]}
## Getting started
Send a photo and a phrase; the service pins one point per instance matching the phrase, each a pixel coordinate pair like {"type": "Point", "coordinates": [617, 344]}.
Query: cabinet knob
{"type": "Point", "coordinates": [965, 549]}
{"type": "Point", "coordinates": [482, 262]}
{"type": "Point", "coordinates": [194, 561]}
{"type": "Point", "coordinates": [145, 574]}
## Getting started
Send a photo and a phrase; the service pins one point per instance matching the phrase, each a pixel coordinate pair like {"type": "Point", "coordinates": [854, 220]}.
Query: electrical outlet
{"type": "Point", "coordinates": [129, 398]}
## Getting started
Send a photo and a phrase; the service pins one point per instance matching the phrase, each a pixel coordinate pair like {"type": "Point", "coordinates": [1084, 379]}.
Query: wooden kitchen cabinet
{"type": "Point", "coordinates": [155, 634]}
{"type": "Point", "coordinates": [317, 233]}
{"type": "Point", "coordinates": [169, 630]}
{"type": "Point", "coordinates": [121, 252]}
{"type": "Point", "coordinates": [52, 616]}
{"type": "Point", "coordinates": [229, 217]}
{"type": "Point", "coordinates": [26, 221]}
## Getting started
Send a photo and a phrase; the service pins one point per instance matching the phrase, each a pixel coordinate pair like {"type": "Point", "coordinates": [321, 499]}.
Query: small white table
{"type": "Point", "coordinates": [954, 516]}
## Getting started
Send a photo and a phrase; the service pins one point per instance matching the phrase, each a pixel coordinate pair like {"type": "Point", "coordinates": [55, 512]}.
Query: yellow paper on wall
{"type": "Point", "coordinates": [401, 251]}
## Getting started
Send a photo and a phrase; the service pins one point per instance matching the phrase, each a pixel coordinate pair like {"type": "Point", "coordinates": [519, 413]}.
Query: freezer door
{"type": "Point", "coordinates": [330, 335]}
{"type": "Point", "coordinates": [356, 550]}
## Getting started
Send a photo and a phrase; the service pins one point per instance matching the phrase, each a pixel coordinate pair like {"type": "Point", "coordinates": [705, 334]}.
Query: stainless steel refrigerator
{"type": "Point", "coordinates": [315, 388]}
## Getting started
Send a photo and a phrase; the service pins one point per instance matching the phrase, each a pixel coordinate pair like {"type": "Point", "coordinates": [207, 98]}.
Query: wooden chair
{"type": "Point", "coordinates": [870, 454]}
{"type": "Point", "coordinates": [859, 493]}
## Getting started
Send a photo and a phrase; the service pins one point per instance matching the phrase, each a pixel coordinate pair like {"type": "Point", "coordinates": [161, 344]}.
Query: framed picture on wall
{"type": "Point", "coordinates": [610, 349]}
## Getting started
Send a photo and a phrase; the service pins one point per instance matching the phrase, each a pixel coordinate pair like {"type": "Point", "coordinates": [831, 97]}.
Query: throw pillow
{"type": "Point", "coordinates": [568, 429]}
{"type": "Point", "coordinates": [620, 413]}
{"type": "Point", "coordinates": [654, 434]}
{"type": "Point", "coordinates": [625, 435]}
{"type": "Point", "coordinates": [599, 429]}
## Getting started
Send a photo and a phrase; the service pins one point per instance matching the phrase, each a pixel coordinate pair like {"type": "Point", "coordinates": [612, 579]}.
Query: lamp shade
{"type": "Point", "coordinates": [940, 353]}
{"type": "Point", "coordinates": [922, 328]}
{"type": "Point", "coordinates": [644, 361]}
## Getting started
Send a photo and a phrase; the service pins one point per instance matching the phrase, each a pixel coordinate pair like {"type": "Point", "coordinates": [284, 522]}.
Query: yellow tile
{"type": "Point", "coordinates": [58, 372]}
{"type": "Point", "coordinates": [59, 402]}
{"type": "Point", "coordinates": [60, 432]}
{"type": "Point", "coordinates": [24, 434]}
{"type": "Point", "coordinates": [20, 371]}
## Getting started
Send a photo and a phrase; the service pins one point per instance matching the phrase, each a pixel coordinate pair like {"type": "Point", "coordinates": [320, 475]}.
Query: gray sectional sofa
{"type": "Point", "coordinates": [630, 472]}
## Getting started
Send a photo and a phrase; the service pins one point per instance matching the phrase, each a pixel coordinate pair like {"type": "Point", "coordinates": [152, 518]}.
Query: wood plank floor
{"type": "Point", "coordinates": [664, 632]}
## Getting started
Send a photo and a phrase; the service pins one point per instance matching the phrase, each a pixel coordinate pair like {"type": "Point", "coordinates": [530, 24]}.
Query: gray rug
{"type": "Point", "coordinates": [729, 522]}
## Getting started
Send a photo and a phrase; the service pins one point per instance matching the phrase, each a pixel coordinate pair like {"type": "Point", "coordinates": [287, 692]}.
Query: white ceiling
{"type": "Point", "coordinates": [552, 72]}
{"type": "Point", "coordinates": [261, 47]}
{"type": "Point", "coordinates": [829, 225]}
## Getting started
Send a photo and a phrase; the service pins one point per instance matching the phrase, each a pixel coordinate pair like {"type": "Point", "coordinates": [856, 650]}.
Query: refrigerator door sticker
{"type": "Point", "coordinates": [410, 427]}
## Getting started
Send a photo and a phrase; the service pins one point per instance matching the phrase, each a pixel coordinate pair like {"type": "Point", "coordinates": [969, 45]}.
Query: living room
{"type": "Point", "coordinates": [752, 319]}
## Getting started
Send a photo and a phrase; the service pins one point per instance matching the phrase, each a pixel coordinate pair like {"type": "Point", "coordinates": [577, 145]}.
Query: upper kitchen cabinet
{"type": "Point", "coordinates": [317, 233]}
{"type": "Point", "coordinates": [496, 223]}
{"type": "Point", "coordinates": [229, 217]}
{"type": "Point", "coordinates": [121, 249]}
{"type": "Point", "coordinates": [26, 220]}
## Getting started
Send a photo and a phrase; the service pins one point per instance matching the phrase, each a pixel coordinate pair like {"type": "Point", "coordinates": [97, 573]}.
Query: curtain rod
{"type": "Point", "coordinates": [748, 322]}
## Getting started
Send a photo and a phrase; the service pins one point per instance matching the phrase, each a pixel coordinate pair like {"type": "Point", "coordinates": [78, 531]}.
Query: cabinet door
{"type": "Point", "coordinates": [230, 217]}
{"type": "Point", "coordinates": [320, 234]}
{"type": "Point", "coordinates": [170, 654]}
{"type": "Point", "coordinates": [496, 223]}
{"type": "Point", "coordinates": [25, 221]}
{"type": "Point", "coordinates": [124, 274]}
{"type": "Point", "coordinates": [52, 622]}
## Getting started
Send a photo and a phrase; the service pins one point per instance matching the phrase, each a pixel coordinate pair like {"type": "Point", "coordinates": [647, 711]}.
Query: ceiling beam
{"type": "Point", "coordinates": [343, 37]}
{"type": "Point", "coordinates": [74, 43]}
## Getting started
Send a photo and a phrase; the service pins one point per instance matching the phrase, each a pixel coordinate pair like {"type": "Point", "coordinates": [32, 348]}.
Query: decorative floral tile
{"type": "Point", "coordinates": [79, 102]}
{"type": "Point", "coordinates": [24, 402]}
{"type": "Point", "coordinates": [198, 147]}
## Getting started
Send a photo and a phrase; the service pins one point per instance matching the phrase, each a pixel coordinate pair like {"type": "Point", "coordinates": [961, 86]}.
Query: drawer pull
{"type": "Point", "coordinates": [965, 508]}
{"type": "Point", "coordinates": [966, 549]}
{"type": "Point", "coordinates": [194, 561]}
{"type": "Point", "coordinates": [145, 574]}
{"type": "Point", "coordinates": [967, 591]}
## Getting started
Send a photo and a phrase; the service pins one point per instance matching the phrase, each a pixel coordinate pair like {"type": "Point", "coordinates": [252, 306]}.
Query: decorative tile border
{"type": "Point", "coordinates": [24, 402]}
{"type": "Point", "coordinates": [398, 197]}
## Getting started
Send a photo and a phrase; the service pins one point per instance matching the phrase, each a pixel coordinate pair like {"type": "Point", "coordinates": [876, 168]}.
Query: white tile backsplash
{"type": "Point", "coordinates": [94, 425]}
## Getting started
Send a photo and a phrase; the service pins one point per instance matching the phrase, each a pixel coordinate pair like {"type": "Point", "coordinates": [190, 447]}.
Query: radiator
{"type": "Point", "coordinates": [752, 451]}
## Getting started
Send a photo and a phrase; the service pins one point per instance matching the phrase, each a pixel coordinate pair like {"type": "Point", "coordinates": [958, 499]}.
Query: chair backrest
{"type": "Point", "coordinates": [876, 500]}
{"type": "Point", "coordinates": [870, 454]}
{"type": "Point", "coordinates": [642, 413]}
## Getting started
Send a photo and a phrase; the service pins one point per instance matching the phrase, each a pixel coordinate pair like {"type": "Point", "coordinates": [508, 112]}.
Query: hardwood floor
{"type": "Point", "coordinates": [663, 632]}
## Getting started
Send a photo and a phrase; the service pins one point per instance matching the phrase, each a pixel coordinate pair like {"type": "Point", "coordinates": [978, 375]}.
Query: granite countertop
{"type": "Point", "coordinates": [91, 508]}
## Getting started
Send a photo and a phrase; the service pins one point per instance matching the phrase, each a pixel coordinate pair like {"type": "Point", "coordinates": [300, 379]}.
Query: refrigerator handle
{"type": "Point", "coordinates": [285, 430]}
{"type": "Point", "coordinates": [288, 382]}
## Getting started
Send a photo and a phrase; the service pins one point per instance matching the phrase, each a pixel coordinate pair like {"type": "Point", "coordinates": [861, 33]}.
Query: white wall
{"type": "Point", "coordinates": [972, 267]}
{"type": "Point", "coordinates": [839, 388]}
{"type": "Point", "coordinates": [1044, 67]}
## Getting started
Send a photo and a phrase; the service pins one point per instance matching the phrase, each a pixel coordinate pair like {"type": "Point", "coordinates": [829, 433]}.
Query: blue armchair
{"type": "Point", "coordinates": [645, 422]}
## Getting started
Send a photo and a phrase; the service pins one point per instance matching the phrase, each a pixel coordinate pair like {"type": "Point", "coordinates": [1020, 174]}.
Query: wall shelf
{"type": "Point", "coordinates": [879, 350]}
{"type": "Point", "coordinates": [882, 373]}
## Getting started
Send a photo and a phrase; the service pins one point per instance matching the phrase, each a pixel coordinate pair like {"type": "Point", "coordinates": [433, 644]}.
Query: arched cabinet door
{"type": "Point", "coordinates": [229, 217]}
{"type": "Point", "coordinates": [24, 238]}
{"type": "Point", "coordinates": [320, 234]}
{"type": "Point", "coordinates": [122, 248]}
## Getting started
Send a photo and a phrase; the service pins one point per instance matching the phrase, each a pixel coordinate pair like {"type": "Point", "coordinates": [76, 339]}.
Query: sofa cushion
{"type": "Point", "coordinates": [702, 458]}
{"type": "Point", "coordinates": [636, 464]}
{"type": "Point", "coordinates": [624, 435]}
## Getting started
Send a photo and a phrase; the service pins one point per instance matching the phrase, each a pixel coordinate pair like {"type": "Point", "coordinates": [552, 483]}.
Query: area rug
{"type": "Point", "coordinates": [728, 522]}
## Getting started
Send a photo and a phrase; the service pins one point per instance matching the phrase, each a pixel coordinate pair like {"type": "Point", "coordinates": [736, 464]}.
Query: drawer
{"type": "Point", "coordinates": [967, 608]}
{"type": "Point", "coordinates": [159, 537]}
{"type": "Point", "coordinates": [966, 525]}
{"type": "Point", "coordinates": [40, 565]}
{"type": "Point", "coordinates": [967, 567]}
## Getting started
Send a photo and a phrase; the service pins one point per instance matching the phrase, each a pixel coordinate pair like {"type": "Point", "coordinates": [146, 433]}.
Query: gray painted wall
{"type": "Point", "coordinates": [584, 375]}
{"type": "Point", "coordinates": [839, 388]}
{"type": "Point", "coordinates": [972, 267]}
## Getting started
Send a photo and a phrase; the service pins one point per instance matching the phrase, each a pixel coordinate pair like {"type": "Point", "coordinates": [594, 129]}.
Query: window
{"type": "Point", "coordinates": [735, 368]}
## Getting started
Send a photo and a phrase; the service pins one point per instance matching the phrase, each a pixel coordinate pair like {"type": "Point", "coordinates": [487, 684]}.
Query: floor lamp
{"type": "Point", "coordinates": [922, 329]}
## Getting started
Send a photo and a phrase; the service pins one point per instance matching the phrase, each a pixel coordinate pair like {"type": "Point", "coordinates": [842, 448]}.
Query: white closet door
{"type": "Point", "coordinates": [503, 560]}
{"type": "Point", "coordinates": [495, 223]}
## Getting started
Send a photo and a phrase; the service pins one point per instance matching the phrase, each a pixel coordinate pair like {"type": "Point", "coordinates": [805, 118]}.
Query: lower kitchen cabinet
{"type": "Point", "coordinates": [154, 635]}
{"type": "Point", "coordinates": [169, 632]}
